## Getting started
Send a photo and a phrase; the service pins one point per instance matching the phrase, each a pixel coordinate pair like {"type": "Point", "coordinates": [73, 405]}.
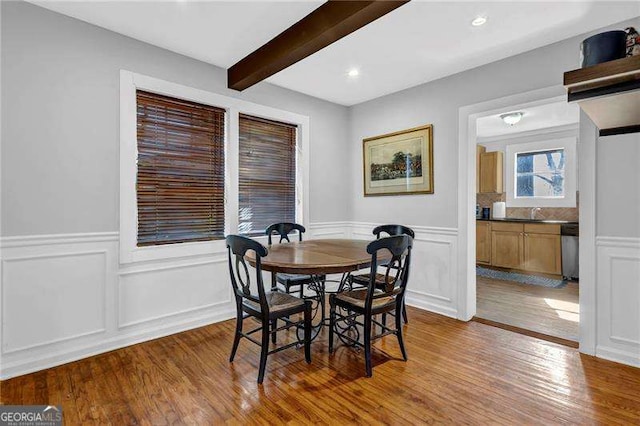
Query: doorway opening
{"type": "Point", "coordinates": [526, 205]}
{"type": "Point", "coordinates": [522, 185]}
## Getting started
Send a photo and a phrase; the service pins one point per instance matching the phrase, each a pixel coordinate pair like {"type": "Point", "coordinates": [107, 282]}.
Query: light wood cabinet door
{"type": "Point", "coordinates": [506, 249]}
{"type": "Point", "coordinates": [542, 253]}
{"type": "Point", "coordinates": [479, 151]}
{"type": "Point", "coordinates": [483, 242]}
{"type": "Point", "coordinates": [491, 164]}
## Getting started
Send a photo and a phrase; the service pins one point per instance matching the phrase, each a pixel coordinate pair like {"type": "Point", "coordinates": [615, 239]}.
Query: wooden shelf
{"type": "Point", "coordinates": [609, 93]}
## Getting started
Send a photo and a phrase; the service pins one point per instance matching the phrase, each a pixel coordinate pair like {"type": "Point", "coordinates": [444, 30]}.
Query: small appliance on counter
{"type": "Point", "coordinates": [499, 210]}
{"type": "Point", "coordinates": [486, 213]}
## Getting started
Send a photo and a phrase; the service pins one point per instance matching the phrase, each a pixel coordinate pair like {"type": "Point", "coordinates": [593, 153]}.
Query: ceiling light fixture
{"type": "Point", "coordinates": [512, 118]}
{"type": "Point", "coordinates": [353, 72]}
{"type": "Point", "coordinates": [480, 20]}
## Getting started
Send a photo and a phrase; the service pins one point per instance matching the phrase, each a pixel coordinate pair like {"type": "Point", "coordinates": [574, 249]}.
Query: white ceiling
{"type": "Point", "coordinates": [418, 42]}
{"type": "Point", "coordinates": [535, 118]}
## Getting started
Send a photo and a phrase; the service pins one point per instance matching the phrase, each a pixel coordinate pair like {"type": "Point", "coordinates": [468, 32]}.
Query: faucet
{"type": "Point", "coordinates": [533, 212]}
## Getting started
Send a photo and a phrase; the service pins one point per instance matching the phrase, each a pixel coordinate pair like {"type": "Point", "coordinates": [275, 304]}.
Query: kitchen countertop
{"type": "Point", "coordinates": [520, 220]}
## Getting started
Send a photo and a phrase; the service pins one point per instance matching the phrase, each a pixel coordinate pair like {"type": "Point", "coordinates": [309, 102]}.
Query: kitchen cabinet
{"type": "Point", "coordinates": [491, 166]}
{"type": "Point", "coordinates": [530, 247]}
{"type": "Point", "coordinates": [483, 242]}
{"type": "Point", "coordinates": [479, 151]}
{"type": "Point", "coordinates": [506, 245]}
{"type": "Point", "coordinates": [542, 248]}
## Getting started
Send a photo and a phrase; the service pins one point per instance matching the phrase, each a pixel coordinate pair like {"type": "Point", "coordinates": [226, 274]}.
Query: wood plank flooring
{"type": "Point", "coordinates": [457, 373]}
{"type": "Point", "coordinates": [551, 311]}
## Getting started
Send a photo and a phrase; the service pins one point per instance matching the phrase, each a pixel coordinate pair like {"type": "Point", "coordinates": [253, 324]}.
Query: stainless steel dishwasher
{"type": "Point", "coordinates": [569, 233]}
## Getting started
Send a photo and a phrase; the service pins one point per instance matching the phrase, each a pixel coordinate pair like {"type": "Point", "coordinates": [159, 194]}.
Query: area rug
{"type": "Point", "coordinates": [520, 278]}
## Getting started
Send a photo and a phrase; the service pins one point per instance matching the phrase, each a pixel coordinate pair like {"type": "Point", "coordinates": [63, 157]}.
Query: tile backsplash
{"type": "Point", "coordinates": [549, 213]}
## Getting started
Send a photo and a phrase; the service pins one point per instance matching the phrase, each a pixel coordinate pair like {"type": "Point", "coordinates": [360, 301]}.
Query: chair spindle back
{"type": "Point", "coordinates": [284, 229]}
{"type": "Point", "coordinates": [243, 285]}
{"type": "Point", "coordinates": [395, 270]}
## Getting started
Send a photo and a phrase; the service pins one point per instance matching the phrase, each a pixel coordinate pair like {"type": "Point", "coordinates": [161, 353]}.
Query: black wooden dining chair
{"type": "Point", "coordinates": [353, 309]}
{"type": "Point", "coordinates": [363, 279]}
{"type": "Point", "coordinates": [288, 281]}
{"type": "Point", "coordinates": [268, 308]}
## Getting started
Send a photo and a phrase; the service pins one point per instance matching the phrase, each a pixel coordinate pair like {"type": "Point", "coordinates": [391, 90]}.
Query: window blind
{"type": "Point", "coordinates": [267, 176]}
{"type": "Point", "coordinates": [180, 178]}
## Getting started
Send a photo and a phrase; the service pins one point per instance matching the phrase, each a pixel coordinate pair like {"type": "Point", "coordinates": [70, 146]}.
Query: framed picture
{"type": "Point", "coordinates": [399, 163]}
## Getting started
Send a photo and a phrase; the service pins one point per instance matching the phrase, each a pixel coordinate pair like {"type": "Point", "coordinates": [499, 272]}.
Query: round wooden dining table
{"type": "Point", "coordinates": [317, 258]}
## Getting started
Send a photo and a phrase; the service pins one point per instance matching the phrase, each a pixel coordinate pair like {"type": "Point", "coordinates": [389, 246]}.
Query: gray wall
{"type": "Point", "coordinates": [437, 103]}
{"type": "Point", "coordinates": [60, 125]}
{"type": "Point", "coordinates": [618, 185]}
{"type": "Point", "coordinates": [60, 131]}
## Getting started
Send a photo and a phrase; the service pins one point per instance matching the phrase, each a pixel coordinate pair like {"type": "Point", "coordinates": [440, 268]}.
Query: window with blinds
{"type": "Point", "coordinates": [180, 179]}
{"type": "Point", "coordinates": [267, 176]}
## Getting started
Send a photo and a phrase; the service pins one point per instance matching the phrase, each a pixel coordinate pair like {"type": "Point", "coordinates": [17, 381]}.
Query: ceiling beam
{"type": "Point", "coordinates": [327, 24]}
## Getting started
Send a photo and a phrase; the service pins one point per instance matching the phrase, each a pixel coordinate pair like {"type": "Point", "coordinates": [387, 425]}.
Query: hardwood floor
{"type": "Point", "coordinates": [551, 311]}
{"type": "Point", "coordinates": [462, 373]}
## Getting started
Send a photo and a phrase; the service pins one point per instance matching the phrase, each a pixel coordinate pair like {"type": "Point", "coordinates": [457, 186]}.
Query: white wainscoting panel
{"type": "Point", "coordinates": [618, 295]}
{"type": "Point", "coordinates": [432, 280]}
{"type": "Point", "coordinates": [57, 298]}
{"type": "Point", "coordinates": [65, 297]}
{"type": "Point", "coordinates": [149, 294]}
{"type": "Point", "coordinates": [44, 295]}
{"type": "Point", "coordinates": [327, 230]}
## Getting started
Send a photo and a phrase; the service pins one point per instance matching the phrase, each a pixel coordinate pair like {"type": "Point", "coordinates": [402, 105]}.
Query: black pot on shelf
{"type": "Point", "coordinates": [603, 47]}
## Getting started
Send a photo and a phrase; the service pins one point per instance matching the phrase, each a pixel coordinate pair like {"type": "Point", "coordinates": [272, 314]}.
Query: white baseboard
{"type": "Point", "coordinates": [616, 355]}
{"type": "Point", "coordinates": [430, 306]}
{"type": "Point", "coordinates": [30, 363]}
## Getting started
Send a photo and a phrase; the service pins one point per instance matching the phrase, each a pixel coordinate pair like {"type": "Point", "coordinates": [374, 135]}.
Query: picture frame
{"type": "Point", "coordinates": [399, 163]}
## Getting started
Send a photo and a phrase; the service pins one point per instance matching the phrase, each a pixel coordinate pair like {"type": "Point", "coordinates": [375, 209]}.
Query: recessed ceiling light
{"type": "Point", "coordinates": [512, 118]}
{"type": "Point", "coordinates": [480, 20]}
{"type": "Point", "coordinates": [353, 72]}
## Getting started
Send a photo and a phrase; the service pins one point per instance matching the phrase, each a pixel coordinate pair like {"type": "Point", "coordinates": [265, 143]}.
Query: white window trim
{"type": "Point", "coordinates": [129, 83]}
{"type": "Point", "coordinates": [570, 175]}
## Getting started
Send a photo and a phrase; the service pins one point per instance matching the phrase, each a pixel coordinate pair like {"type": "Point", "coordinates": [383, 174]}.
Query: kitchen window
{"type": "Point", "coordinates": [541, 174]}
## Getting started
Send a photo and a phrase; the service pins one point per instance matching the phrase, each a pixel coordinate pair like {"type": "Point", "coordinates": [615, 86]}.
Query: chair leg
{"type": "Point", "coordinates": [307, 331]}
{"type": "Point", "coordinates": [237, 336]}
{"type": "Point", "coordinates": [332, 321]}
{"type": "Point", "coordinates": [274, 325]}
{"type": "Point", "coordinates": [367, 345]}
{"type": "Point", "coordinates": [399, 332]}
{"type": "Point", "coordinates": [264, 349]}
{"type": "Point", "coordinates": [274, 283]}
{"type": "Point", "coordinates": [404, 313]}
